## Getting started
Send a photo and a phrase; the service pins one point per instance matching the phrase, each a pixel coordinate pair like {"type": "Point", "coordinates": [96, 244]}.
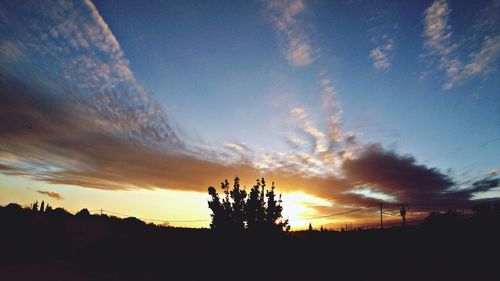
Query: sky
{"type": "Point", "coordinates": [137, 107]}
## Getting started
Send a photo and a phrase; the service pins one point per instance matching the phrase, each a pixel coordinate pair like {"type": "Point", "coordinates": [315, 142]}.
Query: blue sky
{"type": "Point", "coordinates": [314, 91]}
{"type": "Point", "coordinates": [220, 71]}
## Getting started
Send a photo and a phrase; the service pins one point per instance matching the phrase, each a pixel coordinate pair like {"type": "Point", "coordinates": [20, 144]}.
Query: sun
{"type": "Point", "coordinates": [298, 207]}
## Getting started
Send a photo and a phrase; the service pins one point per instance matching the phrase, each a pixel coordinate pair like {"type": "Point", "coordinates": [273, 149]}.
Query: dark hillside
{"type": "Point", "coordinates": [57, 245]}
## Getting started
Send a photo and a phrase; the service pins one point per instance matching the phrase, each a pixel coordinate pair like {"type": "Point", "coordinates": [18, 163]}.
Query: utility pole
{"type": "Point", "coordinates": [381, 220]}
{"type": "Point", "coordinates": [101, 212]}
{"type": "Point", "coordinates": [403, 213]}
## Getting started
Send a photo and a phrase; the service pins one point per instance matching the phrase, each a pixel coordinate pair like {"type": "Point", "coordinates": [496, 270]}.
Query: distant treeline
{"type": "Point", "coordinates": [448, 245]}
{"type": "Point", "coordinates": [483, 213]}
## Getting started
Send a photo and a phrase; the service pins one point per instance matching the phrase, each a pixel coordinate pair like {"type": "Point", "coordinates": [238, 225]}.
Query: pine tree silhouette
{"type": "Point", "coordinates": [220, 218]}
{"type": "Point", "coordinates": [274, 210]}
{"type": "Point", "coordinates": [255, 206]}
{"type": "Point", "coordinates": [238, 197]}
{"type": "Point", "coordinates": [257, 211]}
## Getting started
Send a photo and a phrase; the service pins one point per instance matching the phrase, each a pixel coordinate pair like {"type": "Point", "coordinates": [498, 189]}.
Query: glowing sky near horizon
{"type": "Point", "coordinates": [137, 107]}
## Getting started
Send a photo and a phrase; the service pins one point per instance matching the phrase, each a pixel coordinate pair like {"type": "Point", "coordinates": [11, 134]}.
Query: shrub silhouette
{"type": "Point", "coordinates": [259, 210]}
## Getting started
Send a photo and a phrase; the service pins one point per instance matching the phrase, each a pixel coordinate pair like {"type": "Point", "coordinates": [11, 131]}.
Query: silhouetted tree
{"type": "Point", "coordinates": [274, 210]}
{"type": "Point", "coordinates": [238, 197]}
{"type": "Point", "coordinates": [255, 206]}
{"type": "Point", "coordinates": [83, 213]}
{"type": "Point", "coordinates": [310, 227]}
{"type": "Point", "coordinates": [220, 218]}
{"type": "Point", "coordinates": [42, 207]}
{"type": "Point", "coordinates": [258, 210]}
{"type": "Point", "coordinates": [35, 206]}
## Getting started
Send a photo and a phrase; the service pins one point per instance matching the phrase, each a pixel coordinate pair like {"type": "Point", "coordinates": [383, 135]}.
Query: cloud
{"type": "Point", "coordinates": [295, 141]}
{"type": "Point", "coordinates": [12, 171]}
{"type": "Point", "coordinates": [317, 151]}
{"type": "Point", "coordinates": [334, 111]}
{"type": "Point", "coordinates": [72, 44]}
{"type": "Point", "coordinates": [440, 44]}
{"type": "Point", "coordinates": [285, 15]}
{"type": "Point", "coordinates": [324, 150]}
{"type": "Point", "coordinates": [75, 149]}
{"type": "Point", "coordinates": [405, 179]}
{"type": "Point", "coordinates": [486, 56]}
{"type": "Point", "coordinates": [380, 56]}
{"type": "Point", "coordinates": [437, 30]}
{"type": "Point", "coordinates": [438, 38]}
{"type": "Point", "coordinates": [394, 174]}
{"type": "Point", "coordinates": [307, 127]}
{"type": "Point", "coordinates": [51, 194]}
{"type": "Point", "coordinates": [480, 63]}
{"type": "Point", "coordinates": [55, 141]}
{"type": "Point", "coordinates": [485, 184]}
{"type": "Point", "coordinates": [235, 152]}
{"type": "Point", "coordinates": [237, 146]}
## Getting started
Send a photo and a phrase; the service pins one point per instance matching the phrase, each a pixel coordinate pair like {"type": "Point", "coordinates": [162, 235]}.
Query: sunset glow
{"type": "Point", "coordinates": [137, 110]}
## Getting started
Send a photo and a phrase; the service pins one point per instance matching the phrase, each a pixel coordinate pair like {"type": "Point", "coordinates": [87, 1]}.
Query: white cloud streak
{"type": "Point", "coordinates": [380, 56]}
{"type": "Point", "coordinates": [285, 16]}
{"type": "Point", "coordinates": [334, 111]}
{"type": "Point", "coordinates": [301, 118]}
{"type": "Point", "coordinates": [487, 55]}
{"type": "Point", "coordinates": [437, 30]}
{"type": "Point", "coordinates": [438, 38]}
{"type": "Point", "coordinates": [439, 43]}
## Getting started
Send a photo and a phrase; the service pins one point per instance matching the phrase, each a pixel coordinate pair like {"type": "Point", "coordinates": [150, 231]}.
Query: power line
{"type": "Point", "coordinates": [310, 218]}
{"type": "Point", "coordinates": [342, 213]}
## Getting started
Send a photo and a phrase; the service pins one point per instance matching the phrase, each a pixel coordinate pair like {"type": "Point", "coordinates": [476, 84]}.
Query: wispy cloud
{"type": "Point", "coordinates": [438, 41]}
{"type": "Point", "coordinates": [380, 56]}
{"type": "Point", "coordinates": [323, 149]}
{"type": "Point", "coordinates": [317, 151]}
{"type": "Point", "coordinates": [285, 15]}
{"type": "Point", "coordinates": [488, 54]}
{"type": "Point", "coordinates": [51, 194]}
{"type": "Point", "coordinates": [295, 141]}
{"type": "Point", "coordinates": [480, 63]}
{"type": "Point", "coordinates": [307, 127]}
{"type": "Point", "coordinates": [440, 44]}
{"type": "Point", "coordinates": [334, 111]}
{"type": "Point", "coordinates": [437, 30]}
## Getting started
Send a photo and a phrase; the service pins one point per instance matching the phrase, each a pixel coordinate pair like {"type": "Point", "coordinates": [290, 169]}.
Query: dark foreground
{"type": "Point", "coordinates": [59, 246]}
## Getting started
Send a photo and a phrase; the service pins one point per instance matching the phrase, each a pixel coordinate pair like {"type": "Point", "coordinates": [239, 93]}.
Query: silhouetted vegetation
{"type": "Point", "coordinates": [57, 245]}
{"type": "Point", "coordinates": [257, 211]}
